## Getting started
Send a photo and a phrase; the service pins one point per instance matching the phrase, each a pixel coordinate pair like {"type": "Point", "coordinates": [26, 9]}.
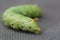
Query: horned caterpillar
{"type": "Point", "coordinates": [21, 17]}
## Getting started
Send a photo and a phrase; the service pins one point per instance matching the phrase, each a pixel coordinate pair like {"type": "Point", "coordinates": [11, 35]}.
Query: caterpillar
{"type": "Point", "coordinates": [21, 17]}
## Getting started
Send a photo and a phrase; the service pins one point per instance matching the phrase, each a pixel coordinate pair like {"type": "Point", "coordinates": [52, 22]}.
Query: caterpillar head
{"type": "Point", "coordinates": [31, 26]}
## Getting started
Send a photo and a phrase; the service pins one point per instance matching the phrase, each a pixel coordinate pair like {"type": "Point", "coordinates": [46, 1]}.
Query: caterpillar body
{"type": "Point", "coordinates": [21, 17]}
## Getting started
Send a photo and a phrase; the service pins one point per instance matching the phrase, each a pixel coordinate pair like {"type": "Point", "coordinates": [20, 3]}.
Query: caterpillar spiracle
{"type": "Point", "coordinates": [21, 17]}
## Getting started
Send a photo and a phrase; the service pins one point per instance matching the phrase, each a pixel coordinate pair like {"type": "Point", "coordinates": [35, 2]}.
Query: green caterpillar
{"type": "Point", "coordinates": [21, 17]}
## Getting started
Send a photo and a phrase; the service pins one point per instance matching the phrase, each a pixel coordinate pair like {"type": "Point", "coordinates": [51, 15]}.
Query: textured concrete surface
{"type": "Point", "coordinates": [50, 22]}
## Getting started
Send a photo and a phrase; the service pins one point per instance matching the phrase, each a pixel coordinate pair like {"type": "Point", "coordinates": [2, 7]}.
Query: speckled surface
{"type": "Point", "coordinates": [49, 23]}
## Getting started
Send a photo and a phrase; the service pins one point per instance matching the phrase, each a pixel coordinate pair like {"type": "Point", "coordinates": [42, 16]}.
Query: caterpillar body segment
{"type": "Point", "coordinates": [27, 10]}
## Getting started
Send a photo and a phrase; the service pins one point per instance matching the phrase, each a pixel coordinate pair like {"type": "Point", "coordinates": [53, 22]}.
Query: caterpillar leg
{"type": "Point", "coordinates": [37, 19]}
{"type": "Point", "coordinates": [38, 31]}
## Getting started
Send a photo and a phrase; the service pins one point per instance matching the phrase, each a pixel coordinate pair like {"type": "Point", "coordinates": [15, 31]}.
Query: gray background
{"type": "Point", "coordinates": [50, 21]}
